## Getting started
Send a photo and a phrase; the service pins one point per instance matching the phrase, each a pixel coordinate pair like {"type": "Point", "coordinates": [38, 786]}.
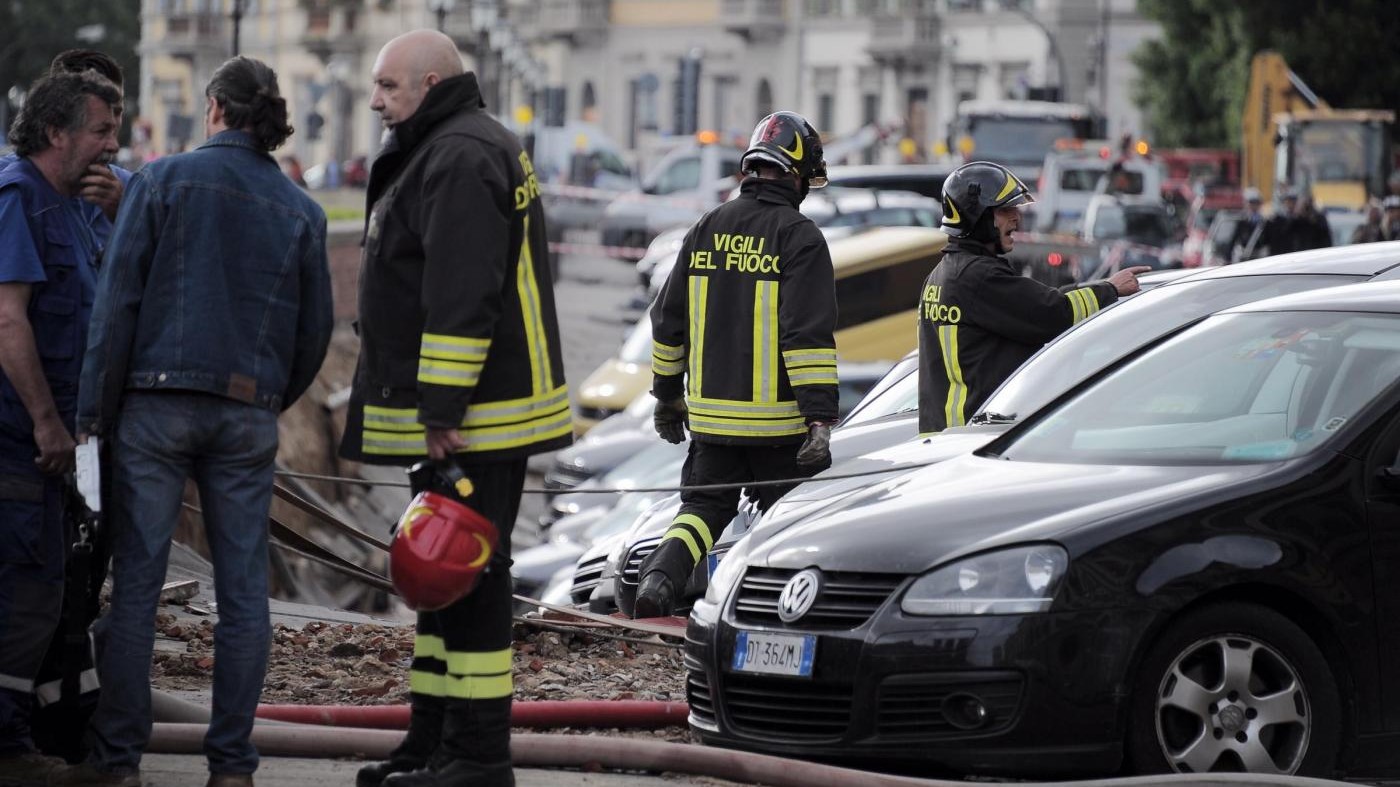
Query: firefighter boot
{"type": "Point", "coordinates": [424, 731]}
{"type": "Point", "coordinates": [656, 596]}
{"type": "Point", "coordinates": [28, 768]}
{"type": "Point", "coordinates": [475, 749]}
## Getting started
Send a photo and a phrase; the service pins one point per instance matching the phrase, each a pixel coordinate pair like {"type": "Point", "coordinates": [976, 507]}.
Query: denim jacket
{"type": "Point", "coordinates": [215, 280]}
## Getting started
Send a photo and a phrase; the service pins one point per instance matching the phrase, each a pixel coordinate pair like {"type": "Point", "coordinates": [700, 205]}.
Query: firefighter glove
{"type": "Point", "coordinates": [816, 450]}
{"type": "Point", "coordinates": [671, 419]}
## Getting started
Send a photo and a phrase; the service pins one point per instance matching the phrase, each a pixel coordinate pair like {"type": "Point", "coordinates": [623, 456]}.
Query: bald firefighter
{"type": "Point", "coordinates": [744, 354]}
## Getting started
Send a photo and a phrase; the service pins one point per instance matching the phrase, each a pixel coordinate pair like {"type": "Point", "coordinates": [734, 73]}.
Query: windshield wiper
{"type": "Point", "coordinates": [992, 418]}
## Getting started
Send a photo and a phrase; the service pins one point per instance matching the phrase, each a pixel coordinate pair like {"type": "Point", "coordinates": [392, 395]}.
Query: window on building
{"type": "Point", "coordinates": [763, 105]}
{"type": "Point", "coordinates": [820, 8]}
{"type": "Point", "coordinates": [1014, 79]}
{"type": "Point", "coordinates": [826, 112]}
{"type": "Point", "coordinates": [965, 5]}
{"type": "Point", "coordinates": [869, 113]}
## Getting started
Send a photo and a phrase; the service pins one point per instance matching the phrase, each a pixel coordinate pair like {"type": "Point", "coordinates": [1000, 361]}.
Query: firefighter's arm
{"type": "Point", "coordinates": [670, 326]}
{"type": "Point", "coordinates": [1028, 311]}
{"type": "Point", "coordinates": [120, 288]}
{"type": "Point", "coordinates": [467, 205]}
{"type": "Point", "coordinates": [807, 325]}
{"type": "Point", "coordinates": [19, 359]}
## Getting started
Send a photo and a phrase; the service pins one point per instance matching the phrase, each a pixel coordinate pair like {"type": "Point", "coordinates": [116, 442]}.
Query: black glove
{"type": "Point", "coordinates": [816, 450]}
{"type": "Point", "coordinates": [671, 419]}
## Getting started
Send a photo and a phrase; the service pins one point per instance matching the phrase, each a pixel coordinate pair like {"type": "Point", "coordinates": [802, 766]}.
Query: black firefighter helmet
{"type": "Point", "coordinates": [789, 141]}
{"type": "Point", "coordinates": [975, 190]}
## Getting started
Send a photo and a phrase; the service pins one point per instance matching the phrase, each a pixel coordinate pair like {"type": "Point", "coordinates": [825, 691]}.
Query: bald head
{"type": "Point", "coordinates": [406, 68]}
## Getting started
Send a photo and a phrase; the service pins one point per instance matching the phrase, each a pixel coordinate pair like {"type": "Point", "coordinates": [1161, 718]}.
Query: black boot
{"type": "Point", "coordinates": [475, 749]}
{"type": "Point", "coordinates": [424, 733]}
{"type": "Point", "coordinates": [656, 596]}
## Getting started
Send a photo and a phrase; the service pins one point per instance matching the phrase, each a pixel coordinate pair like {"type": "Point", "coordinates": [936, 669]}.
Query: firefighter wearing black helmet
{"type": "Point", "coordinates": [744, 354]}
{"type": "Point", "coordinates": [979, 318]}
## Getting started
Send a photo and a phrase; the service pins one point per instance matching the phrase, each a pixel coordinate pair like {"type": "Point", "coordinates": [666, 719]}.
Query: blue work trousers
{"type": "Point", "coordinates": [228, 448]}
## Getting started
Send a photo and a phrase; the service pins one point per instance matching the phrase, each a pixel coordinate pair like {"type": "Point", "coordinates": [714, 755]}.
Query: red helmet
{"type": "Point", "coordinates": [440, 549]}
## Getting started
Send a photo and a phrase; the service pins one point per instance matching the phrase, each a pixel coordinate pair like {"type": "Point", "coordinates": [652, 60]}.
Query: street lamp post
{"type": "Point", "coordinates": [237, 16]}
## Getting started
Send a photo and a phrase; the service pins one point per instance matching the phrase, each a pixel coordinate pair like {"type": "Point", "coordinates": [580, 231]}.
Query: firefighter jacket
{"type": "Point", "coordinates": [744, 326]}
{"type": "Point", "coordinates": [457, 321]}
{"type": "Point", "coordinates": [979, 319]}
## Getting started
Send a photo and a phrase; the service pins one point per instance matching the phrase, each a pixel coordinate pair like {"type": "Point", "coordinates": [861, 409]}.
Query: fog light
{"type": "Point", "coordinates": [965, 711]}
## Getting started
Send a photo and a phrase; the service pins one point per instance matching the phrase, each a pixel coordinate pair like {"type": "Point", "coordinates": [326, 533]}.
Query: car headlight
{"type": "Point", "coordinates": [1007, 582]}
{"type": "Point", "coordinates": [730, 568]}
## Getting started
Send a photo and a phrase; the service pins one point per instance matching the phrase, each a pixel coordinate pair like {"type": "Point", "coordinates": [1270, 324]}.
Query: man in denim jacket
{"type": "Point", "coordinates": [213, 315]}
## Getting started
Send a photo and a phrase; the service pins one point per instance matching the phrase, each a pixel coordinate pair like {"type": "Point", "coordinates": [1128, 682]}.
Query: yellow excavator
{"type": "Point", "coordinates": [1291, 136]}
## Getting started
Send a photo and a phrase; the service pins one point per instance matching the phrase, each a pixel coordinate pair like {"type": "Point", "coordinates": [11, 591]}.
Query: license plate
{"type": "Point", "coordinates": [712, 563]}
{"type": "Point", "coordinates": [775, 654]}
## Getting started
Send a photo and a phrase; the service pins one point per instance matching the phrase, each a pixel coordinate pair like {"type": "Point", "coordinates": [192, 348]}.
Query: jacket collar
{"type": "Point", "coordinates": [970, 246]}
{"type": "Point", "coordinates": [779, 192]}
{"type": "Point", "coordinates": [445, 99]}
{"type": "Point", "coordinates": [235, 138]}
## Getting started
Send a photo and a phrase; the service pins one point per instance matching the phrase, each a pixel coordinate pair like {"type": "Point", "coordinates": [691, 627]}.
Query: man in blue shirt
{"type": "Point", "coordinates": [103, 183]}
{"type": "Point", "coordinates": [48, 258]}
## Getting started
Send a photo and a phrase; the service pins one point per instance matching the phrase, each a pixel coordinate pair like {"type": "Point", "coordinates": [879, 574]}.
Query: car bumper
{"type": "Point", "coordinates": [1052, 685]}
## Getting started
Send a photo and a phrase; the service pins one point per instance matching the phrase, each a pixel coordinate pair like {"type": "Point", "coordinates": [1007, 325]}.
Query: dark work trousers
{"type": "Point", "coordinates": [31, 581]}
{"type": "Point", "coordinates": [462, 654]}
{"type": "Point", "coordinates": [705, 514]}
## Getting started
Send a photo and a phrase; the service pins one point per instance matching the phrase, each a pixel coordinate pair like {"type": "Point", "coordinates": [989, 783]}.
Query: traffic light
{"type": "Point", "coordinates": [314, 122]}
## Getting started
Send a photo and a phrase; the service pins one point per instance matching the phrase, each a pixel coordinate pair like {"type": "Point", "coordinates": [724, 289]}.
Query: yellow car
{"type": "Point", "coordinates": [879, 273]}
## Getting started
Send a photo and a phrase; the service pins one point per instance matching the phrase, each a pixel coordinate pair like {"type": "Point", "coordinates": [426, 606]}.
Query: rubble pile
{"type": "Point", "coordinates": [367, 664]}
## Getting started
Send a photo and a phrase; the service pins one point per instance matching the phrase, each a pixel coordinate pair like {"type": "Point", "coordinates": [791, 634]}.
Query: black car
{"type": "Point", "coordinates": [1184, 563]}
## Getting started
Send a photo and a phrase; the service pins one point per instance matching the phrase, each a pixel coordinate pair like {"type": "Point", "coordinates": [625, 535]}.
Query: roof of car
{"type": "Point", "coordinates": [1366, 259]}
{"type": "Point", "coordinates": [849, 200]}
{"type": "Point", "coordinates": [1378, 296]}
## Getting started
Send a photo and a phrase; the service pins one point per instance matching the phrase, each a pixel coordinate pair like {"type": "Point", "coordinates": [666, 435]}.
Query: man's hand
{"type": "Point", "coordinates": [55, 446]}
{"type": "Point", "coordinates": [101, 186]}
{"type": "Point", "coordinates": [443, 443]}
{"type": "Point", "coordinates": [1126, 280]}
{"type": "Point", "coordinates": [671, 419]}
{"type": "Point", "coordinates": [816, 450]}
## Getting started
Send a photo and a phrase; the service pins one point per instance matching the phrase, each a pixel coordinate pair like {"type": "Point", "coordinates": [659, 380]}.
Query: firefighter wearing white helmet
{"type": "Point", "coordinates": [744, 353]}
{"type": "Point", "coordinates": [979, 318]}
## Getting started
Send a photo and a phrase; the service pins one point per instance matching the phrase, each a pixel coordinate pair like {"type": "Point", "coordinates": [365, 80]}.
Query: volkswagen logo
{"type": "Point", "coordinates": [799, 594]}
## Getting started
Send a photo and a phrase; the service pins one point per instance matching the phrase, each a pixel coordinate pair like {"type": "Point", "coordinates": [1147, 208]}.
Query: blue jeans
{"type": "Point", "coordinates": [228, 448]}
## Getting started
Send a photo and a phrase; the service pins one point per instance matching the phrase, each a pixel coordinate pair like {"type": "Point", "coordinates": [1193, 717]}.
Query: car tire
{"type": "Point", "coordinates": [1190, 713]}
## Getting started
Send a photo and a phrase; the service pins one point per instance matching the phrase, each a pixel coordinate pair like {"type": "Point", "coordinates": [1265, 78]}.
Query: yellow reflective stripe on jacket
{"type": "Point", "coordinates": [536, 340]}
{"type": "Point", "coordinates": [743, 427]}
{"type": "Point", "coordinates": [469, 674]}
{"type": "Point", "coordinates": [765, 341]}
{"type": "Point", "coordinates": [456, 373]}
{"type": "Point", "coordinates": [453, 348]}
{"type": "Point", "coordinates": [430, 684]}
{"type": "Point", "coordinates": [666, 359]}
{"type": "Point", "coordinates": [809, 356]}
{"type": "Point", "coordinates": [731, 407]}
{"type": "Point", "coordinates": [488, 426]}
{"type": "Point", "coordinates": [957, 389]}
{"type": "Point", "coordinates": [699, 291]}
{"type": "Point", "coordinates": [1084, 302]}
{"type": "Point", "coordinates": [1076, 306]}
{"type": "Point", "coordinates": [812, 377]}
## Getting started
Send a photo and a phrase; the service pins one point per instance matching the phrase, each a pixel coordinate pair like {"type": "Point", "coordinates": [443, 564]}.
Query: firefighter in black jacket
{"type": "Point", "coordinates": [979, 318]}
{"type": "Point", "coordinates": [743, 351]}
{"type": "Point", "coordinates": [460, 358]}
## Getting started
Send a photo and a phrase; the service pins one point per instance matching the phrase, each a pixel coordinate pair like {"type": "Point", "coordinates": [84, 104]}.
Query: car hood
{"type": "Point", "coordinates": [869, 448]}
{"type": "Point", "coordinates": [929, 516]}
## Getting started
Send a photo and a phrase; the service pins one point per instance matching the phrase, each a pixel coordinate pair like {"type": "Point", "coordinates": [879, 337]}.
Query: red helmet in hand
{"type": "Point", "coordinates": [439, 551]}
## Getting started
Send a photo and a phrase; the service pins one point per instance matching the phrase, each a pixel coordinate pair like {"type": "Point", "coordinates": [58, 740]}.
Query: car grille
{"type": "Point", "coordinates": [632, 564]}
{"type": "Point", "coordinates": [911, 706]}
{"type": "Point", "coordinates": [697, 692]}
{"type": "Point", "coordinates": [847, 599]}
{"type": "Point", "coordinates": [801, 709]}
{"type": "Point", "coordinates": [586, 577]}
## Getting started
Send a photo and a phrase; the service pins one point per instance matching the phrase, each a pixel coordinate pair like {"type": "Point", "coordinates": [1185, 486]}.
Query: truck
{"type": "Point", "coordinates": [1292, 136]}
{"type": "Point", "coordinates": [1016, 134]}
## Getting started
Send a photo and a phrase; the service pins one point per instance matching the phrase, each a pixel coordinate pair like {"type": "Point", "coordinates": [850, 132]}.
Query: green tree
{"type": "Point", "coordinates": [36, 30]}
{"type": "Point", "coordinates": [1192, 81]}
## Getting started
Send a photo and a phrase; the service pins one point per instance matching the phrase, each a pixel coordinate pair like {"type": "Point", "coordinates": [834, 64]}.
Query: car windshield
{"type": "Point", "coordinates": [1119, 331]}
{"type": "Point", "coordinates": [1238, 388]}
{"type": "Point", "coordinates": [636, 348]}
{"type": "Point", "coordinates": [896, 392]}
{"type": "Point", "coordinates": [1017, 140]}
{"type": "Point", "coordinates": [1141, 223]}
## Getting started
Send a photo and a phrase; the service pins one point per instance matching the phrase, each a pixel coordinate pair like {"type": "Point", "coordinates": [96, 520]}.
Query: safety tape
{"type": "Point", "coordinates": [623, 490]}
{"type": "Point", "coordinates": [593, 250]}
